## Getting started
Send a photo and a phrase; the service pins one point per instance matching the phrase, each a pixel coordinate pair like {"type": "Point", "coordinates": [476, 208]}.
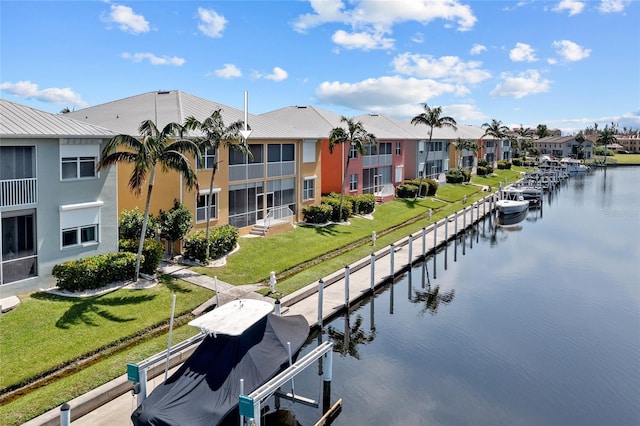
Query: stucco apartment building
{"type": "Point", "coordinates": [564, 146]}
{"type": "Point", "coordinates": [54, 205]}
{"type": "Point", "coordinates": [250, 193]}
{"type": "Point", "coordinates": [376, 172]}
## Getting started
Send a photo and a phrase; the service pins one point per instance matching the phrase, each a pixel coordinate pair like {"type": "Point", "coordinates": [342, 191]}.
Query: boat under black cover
{"type": "Point", "coordinates": [205, 389]}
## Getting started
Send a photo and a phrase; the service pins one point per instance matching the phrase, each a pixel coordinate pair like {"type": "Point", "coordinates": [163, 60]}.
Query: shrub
{"type": "Point", "coordinates": [152, 252]}
{"type": "Point", "coordinates": [516, 162]}
{"type": "Point", "coordinates": [130, 225]}
{"type": "Point", "coordinates": [317, 214]}
{"type": "Point", "coordinates": [222, 240]}
{"type": "Point", "coordinates": [406, 190]}
{"type": "Point", "coordinates": [504, 165]}
{"type": "Point", "coordinates": [458, 175]}
{"type": "Point", "coordinates": [363, 204]}
{"type": "Point", "coordinates": [176, 223]}
{"type": "Point", "coordinates": [347, 208]}
{"type": "Point", "coordinates": [429, 186]}
{"type": "Point", "coordinates": [481, 171]}
{"type": "Point", "coordinates": [94, 271]}
{"type": "Point", "coordinates": [195, 247]}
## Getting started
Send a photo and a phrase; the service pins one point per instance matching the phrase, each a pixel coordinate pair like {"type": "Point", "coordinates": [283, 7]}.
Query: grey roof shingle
{"type": "Point", "coordinates": [163, 107]}
{"type": "Point", "coordinates": [21, 121]}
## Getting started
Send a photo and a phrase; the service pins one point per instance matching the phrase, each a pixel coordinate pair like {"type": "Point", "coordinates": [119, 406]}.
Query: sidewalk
{"type": "Point", "coordinates": [113, 403]}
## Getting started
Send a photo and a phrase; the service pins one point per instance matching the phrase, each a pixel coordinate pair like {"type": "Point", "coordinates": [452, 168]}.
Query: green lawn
{"type": "Point", "coordinates": [46, 331]}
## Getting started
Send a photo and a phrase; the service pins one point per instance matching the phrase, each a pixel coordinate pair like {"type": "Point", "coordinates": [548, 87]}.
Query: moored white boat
{"type": "Point", "coordinates": [512, 201]}
{"type": "Point", "coordinates": [574, 166]}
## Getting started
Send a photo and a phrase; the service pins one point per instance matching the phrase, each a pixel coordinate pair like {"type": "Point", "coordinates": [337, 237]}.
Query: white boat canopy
{"type": "Point", "coordinates": [232, 318]}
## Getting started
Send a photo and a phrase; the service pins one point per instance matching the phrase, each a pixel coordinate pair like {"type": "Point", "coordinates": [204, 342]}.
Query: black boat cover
{"type": "Point", "coordinates": [205, 389]}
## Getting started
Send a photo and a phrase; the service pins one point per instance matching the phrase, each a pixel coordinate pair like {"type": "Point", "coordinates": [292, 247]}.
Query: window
{"type": "Point", "coordinates": [208, 160]}
{"type": "Point", "coordinates": [80, 224]}
{"type": "Point", "coordinates": [201, 207]}
{"type": "Point", "coordinates": [17, 162]}
{"type": "Point", "coordinates": [277, 153]}
{"type": "Point", "coordinates": [309, 152]}
{"type": "Point", "coordinates": [398, 148]}
{"type": "Point", "coordinates": [353, 182]}
{"type": "Point", "coordinates": [353, 152]}
{"type": "Point", "coordinates": [308, 191]}
{"type": "Point", "coordinates": [384, 148]}
{"type": "Point", "coordinates": [78, 167]}
{"type": "Point", "coordinates": [78, 161]}
{"type": "Point", "coordinates": [80, 235]}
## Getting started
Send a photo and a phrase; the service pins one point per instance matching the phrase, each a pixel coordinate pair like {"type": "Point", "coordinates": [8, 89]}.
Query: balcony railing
{"type": "Point", "coordinates": [18, 192]}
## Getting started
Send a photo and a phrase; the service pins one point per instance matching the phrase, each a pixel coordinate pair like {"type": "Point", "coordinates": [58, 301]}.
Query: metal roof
{"type": "Point", "coordinates": [163, 107]}
{"type": "Point", "coordinates": [20, 121]}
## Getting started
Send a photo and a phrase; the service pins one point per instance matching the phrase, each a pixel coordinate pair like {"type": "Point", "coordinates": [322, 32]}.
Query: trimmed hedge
{"type": "Point", "coordinates": [363, 203]}
{"type": "Point", "coordinates": [95, 271]}
{"type": "Point", "coordinates": [458, 176]}
{"type": "Point", "coordinates": [406, 190]}
{"type": "Point", "coordinates": [429, 186]}
{"type": "Point", "coordinates": [504, 165]}
{"type": "Point", "coordinates": [334, 203]}
{"type": "Point", "coordinates": [152, 252]}
{"type": "Point", "coordinates": [222, 240]}
{"type": "Point", "coordinates": [317, 214]}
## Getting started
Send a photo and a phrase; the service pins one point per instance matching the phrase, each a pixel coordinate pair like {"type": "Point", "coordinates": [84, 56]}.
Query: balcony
{"type": "Point", "coordinates": [18, 192]}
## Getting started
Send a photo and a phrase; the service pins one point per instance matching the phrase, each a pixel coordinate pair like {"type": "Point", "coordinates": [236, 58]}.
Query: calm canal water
{"type": "Point", "coordinates": [532, 325]}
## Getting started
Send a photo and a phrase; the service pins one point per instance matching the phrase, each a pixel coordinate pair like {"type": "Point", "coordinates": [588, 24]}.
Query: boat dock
{"type": "Point", "coordinates": [113, 403]}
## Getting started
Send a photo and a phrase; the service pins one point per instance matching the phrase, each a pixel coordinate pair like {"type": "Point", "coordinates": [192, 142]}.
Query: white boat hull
{"type": "Point", "coordinates": [512, 206]}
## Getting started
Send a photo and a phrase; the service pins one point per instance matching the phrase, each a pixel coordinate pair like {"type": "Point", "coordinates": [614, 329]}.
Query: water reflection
{"type": "Point", "coordinates": [346, 342]}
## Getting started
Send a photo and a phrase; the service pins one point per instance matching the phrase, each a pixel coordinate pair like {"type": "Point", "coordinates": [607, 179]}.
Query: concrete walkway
{"type": "Point", "coordinates": [113, 403]}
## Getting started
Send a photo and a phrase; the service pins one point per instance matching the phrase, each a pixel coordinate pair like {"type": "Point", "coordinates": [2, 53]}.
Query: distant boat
{"type": "Point", "coordinates": [574, 166]}
{"type": "Point", "coordinates": [244, 341]}
{"type": "Point", "coordinates": [512, 201]}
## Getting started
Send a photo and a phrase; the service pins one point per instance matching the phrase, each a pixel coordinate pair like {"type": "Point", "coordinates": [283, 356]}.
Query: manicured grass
{"type": "Point", "coordinates": [627, 159]}
{"type": "Point", "coordinates": [46, 331]}
{"type": "Point", "coordinates": [65, 389]}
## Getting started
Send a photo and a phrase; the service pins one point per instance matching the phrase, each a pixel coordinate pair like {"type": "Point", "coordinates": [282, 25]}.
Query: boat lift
{"type": "Point", "coordinates": [250, 405]}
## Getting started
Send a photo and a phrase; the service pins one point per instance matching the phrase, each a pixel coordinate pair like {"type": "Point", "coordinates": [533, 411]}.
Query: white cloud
{"type": "Point", "coordinates": [211, 23]}
{"type": "Point", "coordinates": [387, 94]}
{"type": "Point", "coordinates": [278, 74]}
{"type": "Point", "coordinates": [418, 38]}
{"type": "Point", "coordinates": [613, 6]}
{"type": "Point", "coordinates": [477, 49]}
{"type": "Point", "coordinates": [54, 95]}
{"type": "Point", "coordinates": [463, 113]}
{"type": "Point", "coordinates": [573, 6]}
{"type": "Point", "coordinates": [448, 68]}
{"type": "Point", "coordinates": [376, 18]}
{"type": "Point", "coordinates": [522, 53]}
{"type": "Point", "coordinates": [127, 20]}
{"type": "Point", "coordinates": [153, 59]}
{"type": "Point", "coordinates": [228, 71]}
{"type": "Point", "coordinates": [362, 40]}
{"type": "Point", "coordinates": [571, 51]}
{"type": "Point", "coordinates": [518, 86]}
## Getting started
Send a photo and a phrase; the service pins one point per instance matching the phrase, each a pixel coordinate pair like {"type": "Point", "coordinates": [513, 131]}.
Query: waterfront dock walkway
{"type": "Point", "coordinates": [113, 403]}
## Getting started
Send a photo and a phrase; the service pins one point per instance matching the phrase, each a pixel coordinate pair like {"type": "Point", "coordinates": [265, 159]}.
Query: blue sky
{"type": "Point", "coordinates": [566, 64]}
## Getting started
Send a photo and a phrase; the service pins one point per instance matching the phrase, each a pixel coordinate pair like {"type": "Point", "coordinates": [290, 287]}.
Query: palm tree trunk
{"type": "Point", "coordinates": [344, 180]}
{"type": "Point", "coordinates": [208, 205]}
{"type": "Point", "coordinates": [424, 168]}
{"type": "Point", "coordinates": [145, 221]}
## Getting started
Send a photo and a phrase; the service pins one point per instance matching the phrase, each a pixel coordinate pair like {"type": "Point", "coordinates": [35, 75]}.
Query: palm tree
{"type": "Point", "coordinates": [606, 137]}
{"type": "Point", "coordinates": [215, 135]}
{"type": "Point", "coordinates": [154, 148]}
{"type": "Point", "coordinates": [431, 117]}
{"type": "Point", "coordinates": [580, 139]}
{"type": "Point", "coordinates": [355, 136]}
{"type": "Point", "coordinates": [498, 131]}
{"type": "Point", "coordinates": [525, 135]}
